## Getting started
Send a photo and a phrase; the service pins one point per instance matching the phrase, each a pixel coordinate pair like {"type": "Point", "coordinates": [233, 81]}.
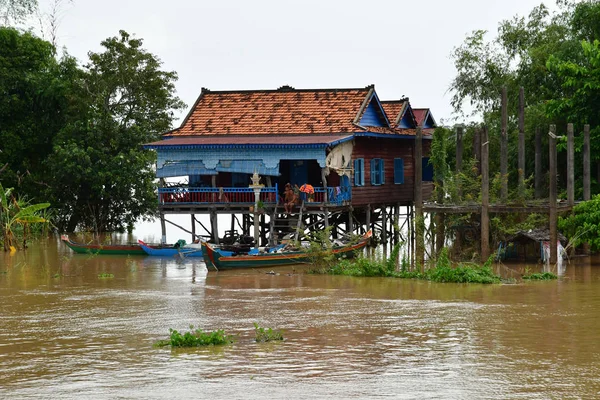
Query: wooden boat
{"type": "Point", "coordinates": [190, 250]}
{"type": "Point", "coordinates": [94, 248]}
{"type": "Point", "coordinates": [216, 258]}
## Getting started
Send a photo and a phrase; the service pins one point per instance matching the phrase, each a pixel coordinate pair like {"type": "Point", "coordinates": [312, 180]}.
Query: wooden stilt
{"type": "Point", "coordinates": [538, 164]}
{"type": "Point", "coordinates": [418, 195]}
{"type": "Point", "coordinates": [459, 157]}
{"type": "Point", "coordinates": [503, 147]}
{"type": "Point", "coordinates": [384, 216]}
{"type": "Point", "coordinates": [521, 141]}
{"type": "Point", "coordinates": [570, 165]}
{"type": "Point", "coordinates": [485, 197]}
{"type": "Point", "coordinates": [214, 226]}
{"type": "Point", "coordinates": [586, 163]}
{"type": "Point", "coordinates": [163, 229]}
{"type": "Point", "coordinates": [553, 194]}
{"type": "Point", "coordinates": [193, 227]}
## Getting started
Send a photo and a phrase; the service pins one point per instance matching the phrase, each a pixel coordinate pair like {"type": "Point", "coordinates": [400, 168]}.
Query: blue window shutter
{"type": "Point", "coordinates": [362, 172]}
{"type": "Point", "coordinates": [382, 171]}
{"type": "Point", "coordinates": [398, 171]}
{"type": "Point", "coordinates": [373, 171]}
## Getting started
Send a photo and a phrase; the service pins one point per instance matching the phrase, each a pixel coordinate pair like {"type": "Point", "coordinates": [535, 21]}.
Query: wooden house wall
{"type": "Point", "coordinates": [368, 148]}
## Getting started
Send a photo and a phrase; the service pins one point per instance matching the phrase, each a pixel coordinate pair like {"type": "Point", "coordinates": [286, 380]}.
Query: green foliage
{"type": "Point", "coordinates": [583, 224]}
{"type": "Point", "coordinates": [16, 218]}
{"type": "Point", "coordinates": [194, 338]}
{"type": "Point", "coordinates": [105, 275]}
{"type": "Point", "coordinates": [546, 276]}
{"type": "Point", "coordinates": [267, 335]}
{"type": "Point", "coordinates": [123, 99]}
{"type": "Point", "coordinates": [443, 271]}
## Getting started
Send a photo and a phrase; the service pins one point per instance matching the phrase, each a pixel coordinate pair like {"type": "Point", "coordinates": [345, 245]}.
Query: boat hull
{"type": "Point", "coordinates": [170, 251]}
{"type": "Point", "coordinates": [215, 259]}
{"type": "Point", "coordinates": [115, 249]}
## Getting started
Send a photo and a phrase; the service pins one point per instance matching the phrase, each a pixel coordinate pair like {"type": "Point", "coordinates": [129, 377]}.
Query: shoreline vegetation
{"type": "Point", "coordinates": [442, 271]}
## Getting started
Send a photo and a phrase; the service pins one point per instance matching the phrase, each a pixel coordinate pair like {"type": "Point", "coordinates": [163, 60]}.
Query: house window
{"type": "Point", "coordinates": [359, 172]}
{"type": "Point", "coordinates": [398, 171]}
{"type": "Point", "coordinates": [377, 172]}
{"type": "Point", "coordinates": [427, 170]}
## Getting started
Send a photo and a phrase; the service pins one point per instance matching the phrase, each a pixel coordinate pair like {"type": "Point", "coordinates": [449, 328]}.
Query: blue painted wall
{"type": "Point", "coordinates": [372, 115]}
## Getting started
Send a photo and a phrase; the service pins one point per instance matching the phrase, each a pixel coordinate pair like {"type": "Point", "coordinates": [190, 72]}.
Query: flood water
{"type": "Point", "coordinates": [67, 333]}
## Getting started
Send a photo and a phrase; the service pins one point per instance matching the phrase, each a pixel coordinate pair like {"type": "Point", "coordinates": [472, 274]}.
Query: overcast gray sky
{"type": "Point", "coordinates": [402, 47]}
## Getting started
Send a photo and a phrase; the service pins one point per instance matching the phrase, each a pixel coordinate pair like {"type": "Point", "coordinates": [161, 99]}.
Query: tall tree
{"type": "Point", "coordinates": [103, 179]}
{"type": "Point", "coordinates": [34, 97]}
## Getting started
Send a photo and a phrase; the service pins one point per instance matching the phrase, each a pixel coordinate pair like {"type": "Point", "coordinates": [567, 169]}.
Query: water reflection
{"type": "Point", "coordinates": [65, 332]}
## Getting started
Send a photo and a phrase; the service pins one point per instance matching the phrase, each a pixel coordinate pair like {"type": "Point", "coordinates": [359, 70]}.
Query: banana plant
{"type": "Point", "coordinates": [14, 213]}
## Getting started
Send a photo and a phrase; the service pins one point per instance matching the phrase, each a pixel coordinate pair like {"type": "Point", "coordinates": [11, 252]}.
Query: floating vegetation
{"type": "Point", "coordinates": [195, 338]}
{"type": "Point", "coordinates": [538, 276]}
{"type": "Point", "coordinates": [105, 275]}
{"type": "Point", "coordinates": [443, 271]}
{"type": "Point", "coordinates": [267, 334]}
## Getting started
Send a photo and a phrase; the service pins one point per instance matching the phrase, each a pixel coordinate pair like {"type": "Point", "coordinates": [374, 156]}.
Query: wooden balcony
{"type": "Point", "coordinates": [187, 198]}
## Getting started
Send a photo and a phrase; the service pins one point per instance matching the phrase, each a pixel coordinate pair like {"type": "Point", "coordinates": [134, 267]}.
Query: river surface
{"type": "Point", "coordinates": [66, 332]}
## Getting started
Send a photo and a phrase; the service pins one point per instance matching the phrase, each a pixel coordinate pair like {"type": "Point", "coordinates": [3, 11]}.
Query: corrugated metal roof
{"type": "Point", "coordinates": [251, 141]}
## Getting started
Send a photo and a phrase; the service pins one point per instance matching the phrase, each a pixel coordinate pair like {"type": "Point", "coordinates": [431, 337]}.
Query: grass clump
{"type": "Point", "coordinates": [267, 334]}
{"type": "Point", "coordinates": [546, 276]}
{"type": "Point", "coordinates": [105, 275]}
{"type": "Point", "coordinates": [442, 271]}
{"type": "Point", "coordinates": [195, 338]}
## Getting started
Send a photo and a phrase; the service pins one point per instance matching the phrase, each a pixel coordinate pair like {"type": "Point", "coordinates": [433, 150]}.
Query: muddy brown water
{"type": "Point", "coordinates": [67, 333]}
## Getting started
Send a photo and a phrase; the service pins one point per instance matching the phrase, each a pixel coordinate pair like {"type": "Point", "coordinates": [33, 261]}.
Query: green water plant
{"type": "Point", "coordinates": [540, 276]}
{"type": "Point", "coordinates": [105, 275]}
{"type": "Point", "coordinates": [267, 334]}
{"type": "Point", "coordinates": [195, 338]}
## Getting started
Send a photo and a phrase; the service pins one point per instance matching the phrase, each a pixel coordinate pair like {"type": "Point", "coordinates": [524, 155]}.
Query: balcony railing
{"type": "Point", "coordinates": [227, 195]}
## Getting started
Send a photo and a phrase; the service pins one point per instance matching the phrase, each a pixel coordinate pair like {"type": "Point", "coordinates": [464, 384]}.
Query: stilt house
{"type": "Point", "coordinates": [356, 151]}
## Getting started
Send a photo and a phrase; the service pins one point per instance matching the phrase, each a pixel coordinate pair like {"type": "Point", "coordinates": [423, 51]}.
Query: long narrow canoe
{"type": "Point", "coordinates": [191, 250]}
{"type": "Point", "coordinates": [215, 258]}
{"type": "Point", "coordinates": [121, 249]}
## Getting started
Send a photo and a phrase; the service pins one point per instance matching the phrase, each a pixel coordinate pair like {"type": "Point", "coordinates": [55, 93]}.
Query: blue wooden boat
{"type": "Point", "coordinates": [190, 250]}
{"type": "Point", "coordinates": [218, 259]}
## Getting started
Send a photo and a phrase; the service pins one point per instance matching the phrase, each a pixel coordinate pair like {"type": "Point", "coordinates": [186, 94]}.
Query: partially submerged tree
{"type": "Point", "coordinates": [102, 179]}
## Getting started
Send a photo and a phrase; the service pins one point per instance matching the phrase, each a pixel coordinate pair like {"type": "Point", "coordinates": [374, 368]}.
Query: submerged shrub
{"type": "Point", "coordinates": [267, 335]}
{"type": "Point", "coordinates": [546, 276]}
{"type": "Point", "coordinates": [195, 338]}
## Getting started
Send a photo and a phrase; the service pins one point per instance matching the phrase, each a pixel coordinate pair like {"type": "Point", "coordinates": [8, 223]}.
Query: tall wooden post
{"type": "Point", "coordinates": [485, 196]}
{"type": "Point", "coordinates": [419, 221]}
{"type": "Point", "coordinates": [553, 195]}
{"type": "Point", "coordinates": [538, 163]}
{"type": "Point", "coordinates": [521, 150]}
{"type": "Point", "coordinates": [163, 229]}
{"type": "Point", "coordinates": [459, 157]}
{"type": "Point", "coordinates": [503, 147]}
{"type": "Point", "coordinates": [193, 227]}
{"type": "Point", "coordinates": [586, 163]}
{"type": "Point", "coordinates": [396, 223]}
{"type": "Point", "coordinates": [350, 221]}
{"type": "Point", "coordinates": [384, 220]}
{"type": "Point", "coordinates": [477, 148]}
{"type": "Point", "coordinates": [214, 227]}
{"type": "Point", "coordinates": [570, 165]}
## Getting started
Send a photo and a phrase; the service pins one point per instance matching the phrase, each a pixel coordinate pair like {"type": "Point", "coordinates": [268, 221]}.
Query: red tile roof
{"type": "Point", "coordinates": [245, 140]}
{"type": "Point", "coordinates": [282, 111]}
{"type": "Point", "coordinates": [420, 114]}
{"type": "Point", "coordinates": [392, 109]}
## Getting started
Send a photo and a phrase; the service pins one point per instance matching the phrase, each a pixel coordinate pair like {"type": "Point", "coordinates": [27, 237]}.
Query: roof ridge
{"type": "Point", "coordinates": [284, 89]}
